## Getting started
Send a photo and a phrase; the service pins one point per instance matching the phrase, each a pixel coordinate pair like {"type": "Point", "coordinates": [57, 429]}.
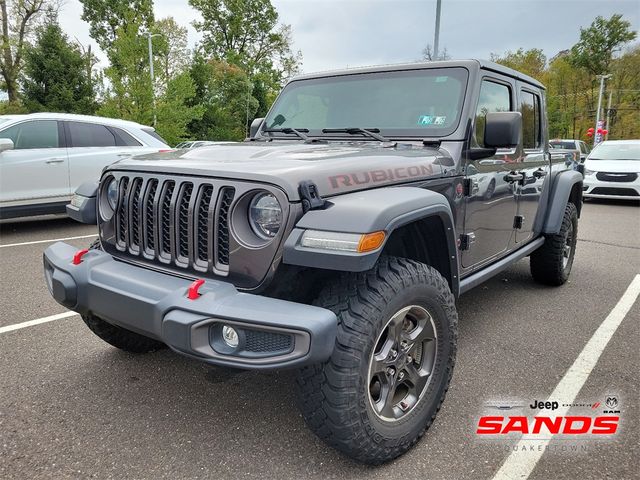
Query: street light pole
{"type": "Point", "coordinates": [608, 115]}
{"type": "Point", "coordinates": [597, 138]}
{"type": "Point", "coordinates": [153, 79]}
{"type": "Point", "coordinates": [436, 38]}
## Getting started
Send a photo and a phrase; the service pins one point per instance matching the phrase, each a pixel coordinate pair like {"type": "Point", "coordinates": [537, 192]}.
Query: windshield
{"type": "Point", "coordinates": [561, 144]}
{"type": "Point", "coordinates": [406, 103]}
{"type": "Point", "coordinates": [616, 151]}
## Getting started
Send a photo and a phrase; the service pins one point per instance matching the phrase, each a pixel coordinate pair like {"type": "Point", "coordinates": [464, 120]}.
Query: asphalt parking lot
{"type": "Point", "coordinates": [71, 406]}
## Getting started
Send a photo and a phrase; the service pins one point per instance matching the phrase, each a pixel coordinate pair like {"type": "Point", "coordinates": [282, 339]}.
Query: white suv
{"type": "Point", "coordinates": [44, 157]}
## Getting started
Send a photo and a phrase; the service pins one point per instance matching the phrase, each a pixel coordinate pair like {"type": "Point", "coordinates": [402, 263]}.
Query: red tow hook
{"type": "Point", "coordinates": [77, 258]}
{"type": "Point", "coordinates": [192, 292]}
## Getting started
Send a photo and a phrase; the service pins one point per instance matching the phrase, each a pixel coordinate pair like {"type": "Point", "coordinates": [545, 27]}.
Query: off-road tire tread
{"type": "Point", "coordinates": [323, 388]}
{"type": "Point", "coordinates": [546, 262]}
{"type": "Point", "coordinates": [119, 337]}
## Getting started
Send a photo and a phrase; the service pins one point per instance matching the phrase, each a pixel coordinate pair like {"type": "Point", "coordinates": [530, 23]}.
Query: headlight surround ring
{"type": "Point", "coordinates": [265, 215]}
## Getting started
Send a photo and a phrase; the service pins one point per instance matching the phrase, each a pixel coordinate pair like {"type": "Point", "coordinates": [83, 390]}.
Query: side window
{"type": "Point", "coordinates": [90, 135]}
{"type": "Point", "coordinates": [584, 148]}
{"type": "Point", "coordinates": [33, 134]}
{"type": "Point", "coordinates": [494, 97]}
{"type": "Point", "coordinates": [123, 139]}
{"type": "Point", "coordinates": [531, 122]}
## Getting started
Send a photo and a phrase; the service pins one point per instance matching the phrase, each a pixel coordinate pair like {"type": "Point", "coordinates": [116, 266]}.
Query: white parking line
{"type": "Point", "coordinates": [38, 321]}
{"type": "Point", "coordinates": [522, 460]}
{"type": "Point", "coordinates": [48, 241]}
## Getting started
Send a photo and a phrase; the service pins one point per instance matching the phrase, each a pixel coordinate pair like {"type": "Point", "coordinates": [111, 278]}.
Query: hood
{"type": "Point", "coordinates": [613, 166]}
{"type": "Point", "coordinates": [335, 167]}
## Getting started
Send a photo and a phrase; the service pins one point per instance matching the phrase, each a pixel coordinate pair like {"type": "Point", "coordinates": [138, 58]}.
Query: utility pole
{"type": "Point", "coordinates": [153, 79]}
{"type": "Point", "coordinates": [597, 138]}
{"type": "Point", "coordinates": [436, 39]}
{"type": "Point", "coordinates": [608, 115]}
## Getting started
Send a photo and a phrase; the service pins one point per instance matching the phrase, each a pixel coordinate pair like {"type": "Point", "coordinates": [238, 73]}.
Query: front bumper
{"type": "Point", "coordinates": [594, 188]}
{"type": "Point", "coordinates": [273, 333]}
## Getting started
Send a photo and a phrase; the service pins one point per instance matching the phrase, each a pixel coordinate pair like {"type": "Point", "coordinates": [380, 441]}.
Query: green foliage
{"type": "Point", "coordinates": [56, 74]}
{"type": "Point", "coordinates": [175, 109]}
{"type": "Point", "coordinates": [531, 62]}
{"type": "Point", "coordinates": [223, 91]}
{"type": "Point", "coordinates": [170, 52]}
{"type": "Point", "coordinates": [130, 94]}
{"type": "Point", "coordinates": [246, 33]}
{"type": "Point", "coordinates": [599, 42]}
{"type": "Point", "coordinates": [106, 17]}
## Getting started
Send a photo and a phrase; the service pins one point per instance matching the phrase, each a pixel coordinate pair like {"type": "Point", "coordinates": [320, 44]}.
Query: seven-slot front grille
{"type": "Point", "coordinates": [180, 222]}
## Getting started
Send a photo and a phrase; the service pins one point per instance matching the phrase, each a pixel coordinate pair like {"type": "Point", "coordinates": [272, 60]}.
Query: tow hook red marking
{"type": "Point", "coordinates": [77, 258]}
{"type": "Point", "coordinates": [193, 293]}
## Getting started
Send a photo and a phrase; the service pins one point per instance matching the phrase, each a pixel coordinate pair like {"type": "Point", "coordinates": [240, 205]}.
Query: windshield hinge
{"type": "Point", "coordinates": [431, 143]}
{"type": "Point", "coordinates": [311, 199]}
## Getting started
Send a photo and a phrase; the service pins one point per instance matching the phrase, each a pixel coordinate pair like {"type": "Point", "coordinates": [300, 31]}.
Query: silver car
{"type": "Point", "coordinates": [44, 157]}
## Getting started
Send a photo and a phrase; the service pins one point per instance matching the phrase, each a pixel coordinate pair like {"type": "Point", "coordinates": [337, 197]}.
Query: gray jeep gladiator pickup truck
{"type": "Point", "coordinates": [334, 240]}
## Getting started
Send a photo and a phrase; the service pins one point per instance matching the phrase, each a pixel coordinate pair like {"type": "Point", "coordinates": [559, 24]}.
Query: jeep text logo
{"type": "Point", "coordinates": [378, 176]}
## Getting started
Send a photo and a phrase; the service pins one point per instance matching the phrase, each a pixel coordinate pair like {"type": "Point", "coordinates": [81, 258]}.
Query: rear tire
{"type": "Point", "coordinates": [551, 263]}
{"type": "Point", "coordinates": [392, 362]}
{"type": "Point", "coordinates": [117, 336]}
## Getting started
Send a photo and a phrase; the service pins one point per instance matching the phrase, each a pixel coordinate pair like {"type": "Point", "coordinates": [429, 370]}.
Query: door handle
{"type": "Point", "coordinates": [540, 173]}
{"type": "Point", "coordinates": [55, 160]}
{"type": "Point", "coordinates": [513, 177]}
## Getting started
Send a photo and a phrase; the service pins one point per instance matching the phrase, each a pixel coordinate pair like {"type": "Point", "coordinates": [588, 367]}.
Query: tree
{"type": "Point", "coordinates": [176, 109]}
{"type": "Point", "coordinates": [225, 93]}
{"type": "Point", "coordinates": [17, 19]}
{"type": "Point", "coordinates": [105, 17]}
{"type": "Point", "coordinates": [171, 55]}
{"type": "Point", "coordinates": [246, 33]}
{"type": "Point", "coordinates": [599, 42]}
{"type": "Point", "coordinates": [56, 77]}
{"type": "Point", "coordinates": [531, 62]}
{"type": "Point", "coordinates": [428, 54]}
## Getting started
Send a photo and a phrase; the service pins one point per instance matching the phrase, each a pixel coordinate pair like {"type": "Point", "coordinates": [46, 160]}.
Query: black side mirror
{"type": "Point", "coordinates": [255, 126]}
{"type": "Point", "coordinates": [503, 129]}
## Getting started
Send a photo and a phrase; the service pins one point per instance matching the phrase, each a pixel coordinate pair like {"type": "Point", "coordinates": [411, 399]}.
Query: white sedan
{"type": "Point", "coordinates": [45, 157]}
{"type": "Point", "coordinates": [612, 170]}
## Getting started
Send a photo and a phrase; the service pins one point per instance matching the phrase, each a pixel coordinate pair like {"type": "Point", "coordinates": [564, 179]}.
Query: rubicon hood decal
{"type": "Point", "coordinates": [336, 168]}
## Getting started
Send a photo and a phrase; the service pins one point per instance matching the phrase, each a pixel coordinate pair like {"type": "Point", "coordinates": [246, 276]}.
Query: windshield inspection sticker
{"type": "Point", "coordinates": [440, 120]}
{"type": "Point", "coordinates": [425, 120]}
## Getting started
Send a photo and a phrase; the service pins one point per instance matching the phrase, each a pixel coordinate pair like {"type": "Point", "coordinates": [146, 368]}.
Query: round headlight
{"type": "Point", "coordinates": [265, 215]}
{"type": "Point", "coordinates": [112, 193]}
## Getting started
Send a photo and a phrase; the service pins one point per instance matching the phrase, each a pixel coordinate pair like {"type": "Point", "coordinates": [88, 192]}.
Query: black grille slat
{"type": "Point", "coordinates": [182, 221]}
{"type": "Point", "coordinates": [225, 199]}
{"type": "Point", "coordinates": [122, 210]}
{"type": "Point", "coordinates": [628, 192]}
{"type": "Point", "coordinates": [149, 215]}
{"type": "Point", "coordinates": [134, 218]}
{"type": "Point", "coordinates": [164, 226]}
{"type": "Point", "coordinates": [202, 224]}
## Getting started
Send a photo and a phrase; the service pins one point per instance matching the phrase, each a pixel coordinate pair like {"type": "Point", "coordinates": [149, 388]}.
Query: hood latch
{"type": "Point", "coordinates": [311, 199]}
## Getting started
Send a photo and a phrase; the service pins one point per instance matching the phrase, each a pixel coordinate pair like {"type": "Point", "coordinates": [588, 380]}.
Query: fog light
{"type": "Point", "coordinates": [230, 336]}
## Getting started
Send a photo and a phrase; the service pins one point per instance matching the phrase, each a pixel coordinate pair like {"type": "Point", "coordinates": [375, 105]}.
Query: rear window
{"type": "Point", "coordinates": [90, 135]}
{"type": "Point", "coordinates": [154, 134]}
{"type": "Point", "coordinates": [564, 145]}
{"type": "Point", "coordinates": [616, 151]}
{"type": "Point", "coordinates": [123, 139]}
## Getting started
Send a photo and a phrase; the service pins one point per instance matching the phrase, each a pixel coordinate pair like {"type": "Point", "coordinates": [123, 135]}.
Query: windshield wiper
{"type": "Point", "coordinates": [298, 131]}
{"type": "Point", "coordinates": [368, 132]}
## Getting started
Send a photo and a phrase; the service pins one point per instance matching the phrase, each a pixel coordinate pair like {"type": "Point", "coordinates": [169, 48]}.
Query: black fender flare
{"type": "Point", "coordinates": [85, 210]}
{"type": "Point", "coordinates": [563, 184]}
{"type": "Point", "coordinates": [383, 209]}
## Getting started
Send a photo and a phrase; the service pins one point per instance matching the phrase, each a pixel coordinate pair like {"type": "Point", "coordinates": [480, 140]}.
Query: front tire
{"type": "Point", "coordinates": [392, 362]}
{"type": "Point", "coordinates": [551, 263]}
{"type": "Point", "coordinates": [116, 336]}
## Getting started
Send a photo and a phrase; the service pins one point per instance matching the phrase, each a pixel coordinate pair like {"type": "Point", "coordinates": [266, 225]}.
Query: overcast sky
{"type": "Point", "coordinates": [340, 33]}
